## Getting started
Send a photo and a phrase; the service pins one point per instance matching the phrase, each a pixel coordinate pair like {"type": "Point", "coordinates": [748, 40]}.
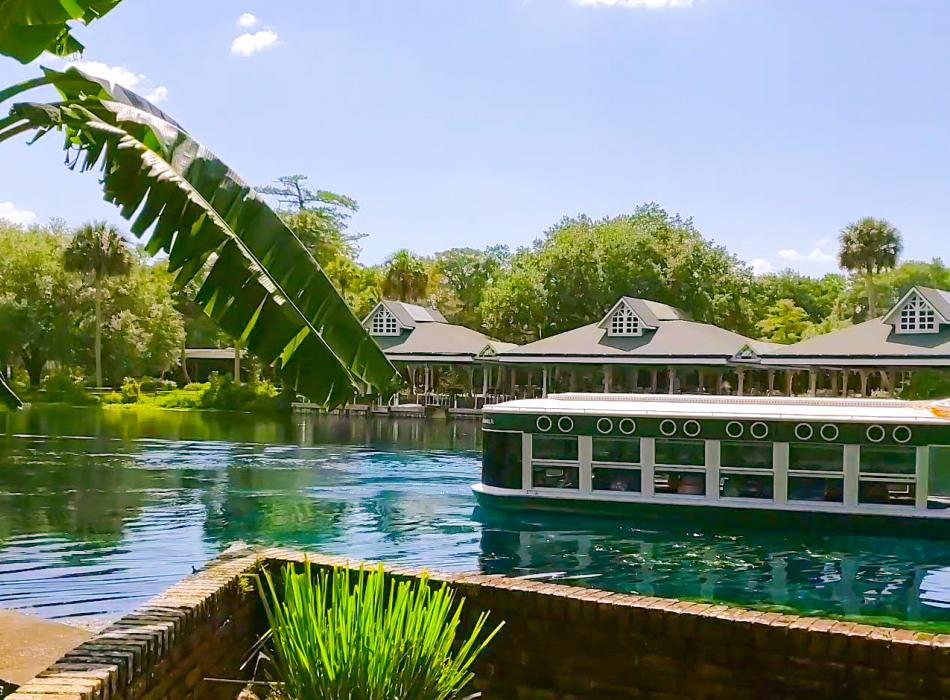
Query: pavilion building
{"type": "Point", "coordinates": [638, 346]}
{"type": "Point", "coordinates": [913, 334]}
{"type": "Point", "coordinates": [432, 354]}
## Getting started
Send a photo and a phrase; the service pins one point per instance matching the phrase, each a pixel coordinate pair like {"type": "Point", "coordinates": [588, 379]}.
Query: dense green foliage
{"type": "Point", "coordinates": [341, 636]}
{"type": "Point", "coordinates": [47, 312]}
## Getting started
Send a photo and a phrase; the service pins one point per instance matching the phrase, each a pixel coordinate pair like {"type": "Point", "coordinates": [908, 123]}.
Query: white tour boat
{"type": "Point", "coordinates": [761, 460]}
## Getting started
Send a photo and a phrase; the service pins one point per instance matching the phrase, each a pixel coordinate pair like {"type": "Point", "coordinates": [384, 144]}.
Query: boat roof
{"type": "Point", "coordinates": [705, 406]}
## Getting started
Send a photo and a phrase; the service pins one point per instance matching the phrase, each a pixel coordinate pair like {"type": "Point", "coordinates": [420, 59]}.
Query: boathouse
{"type": "Point", "coordinates": [432, 354]}
{"type": "Point", "coordinates": [869, 356]}
{"type": "Point", "coordinates": [639, 346]}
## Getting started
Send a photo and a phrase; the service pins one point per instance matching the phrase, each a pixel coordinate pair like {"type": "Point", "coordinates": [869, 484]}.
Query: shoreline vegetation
{"type": "Point", "coordinates": [219, 393]}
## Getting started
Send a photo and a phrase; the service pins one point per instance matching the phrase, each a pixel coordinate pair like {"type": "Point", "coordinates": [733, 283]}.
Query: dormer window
{"type": "Point", "coordinates": [917, 316]}
{"type": "Point", "coordinates": [384, 323]}
{"type": "Point", "coordinates": [624, 322]}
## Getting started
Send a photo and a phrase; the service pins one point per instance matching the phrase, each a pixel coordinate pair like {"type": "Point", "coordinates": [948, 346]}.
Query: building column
{"type": "Point", "coordinates": [789, 381]}
{"type": "Point", "coordinates": [573, 378]}
{"type": "Point", "coordinates": [654, 380]}
{"type": "Point", "coordinates": [812, 382]}
{"type": "Point", "coordinates": [844, 383]}
{"type": "Point", "coordinates": [427, 378]}
{"type": "Point", "coordinates": [671, 374]}
{"type": "Point", "coordinates": [485, 372]}
{"type": "Point", "coordinates": [514, 379]}
{"type": "Point", "coordinates": [771, 381]}
{"type": "Point", "coordinates": [863, 373]}
{"type": "Point", "coordinates": [412, 378]}
{"type": "Point", "coordinates": [718, 388]}
{"type": "Point", "coordinates": [471, 380]}
{"type": "Point", "coordinates": [608, 377]}
{"type": "Point", "coordinates": [740, 382]}
{"type": "Point", "coordinates": [834, 382]}
{"type": "Point", "coordinates": [636, 380]}
{"type": "Point", "coordinates": [700, 381]}
{"type": "Point", "coordinates": [544, 382]}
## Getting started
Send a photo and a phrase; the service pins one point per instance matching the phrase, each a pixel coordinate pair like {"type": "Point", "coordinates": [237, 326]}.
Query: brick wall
{"type": "Point", "coordinates": [559, 642]}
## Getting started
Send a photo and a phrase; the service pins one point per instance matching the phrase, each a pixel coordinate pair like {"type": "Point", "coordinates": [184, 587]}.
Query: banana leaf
{"type": "Point", "coordinates": [30, 27]}
{"type": "Point", "coordinates": [256, 279]}
{"type": "Point", "coordinates": [7, 397]}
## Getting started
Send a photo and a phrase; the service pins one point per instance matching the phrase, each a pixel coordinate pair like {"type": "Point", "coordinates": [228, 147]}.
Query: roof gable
{"type": "Point", "coordinates": [920, 310]}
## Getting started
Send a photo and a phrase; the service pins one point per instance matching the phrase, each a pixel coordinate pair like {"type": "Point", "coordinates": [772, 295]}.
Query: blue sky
{"type": "Point", "coordinates": [473, 122]}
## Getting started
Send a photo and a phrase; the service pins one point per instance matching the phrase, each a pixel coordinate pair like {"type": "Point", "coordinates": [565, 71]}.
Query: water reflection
{"type": "Point", "coordinates": [100, 510]}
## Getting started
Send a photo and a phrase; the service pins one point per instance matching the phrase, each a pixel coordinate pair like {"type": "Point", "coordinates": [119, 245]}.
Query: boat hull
{"type": "Point", "coordinates": [720, 518]}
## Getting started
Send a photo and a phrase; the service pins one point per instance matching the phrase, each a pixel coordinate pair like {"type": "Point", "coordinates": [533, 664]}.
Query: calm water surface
{"type": "Point", "coordinates": [100, 510]}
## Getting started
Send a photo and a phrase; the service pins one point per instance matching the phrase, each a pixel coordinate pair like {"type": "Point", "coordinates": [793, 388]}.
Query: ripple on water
{"type": "Point", "coordinates": [95, 522]}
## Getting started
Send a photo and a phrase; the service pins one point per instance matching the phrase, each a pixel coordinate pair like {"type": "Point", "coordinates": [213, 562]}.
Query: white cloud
{"type": "Point", "coordinates": [760, 266]}
{"type": "Point", "coordinates": [248, 43]}
{"type": "Point", "coordinates": [124, 77]}
{"type": "Point", "coordinates": [247, 20]}
{"type": "Point", "coordinates": [10, 212]}
{"type": "Point", "coordinates": [817, 255]}
{"type": "Point", "coordinates": [642, 4]}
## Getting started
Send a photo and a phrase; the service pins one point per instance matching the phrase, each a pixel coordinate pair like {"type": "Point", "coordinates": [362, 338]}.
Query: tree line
{"type": "Point", "coordinates": [86, 298]}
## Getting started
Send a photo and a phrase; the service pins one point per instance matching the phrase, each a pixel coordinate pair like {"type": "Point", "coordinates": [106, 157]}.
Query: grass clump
{"type": "Point", "coordinates": [350, 635]}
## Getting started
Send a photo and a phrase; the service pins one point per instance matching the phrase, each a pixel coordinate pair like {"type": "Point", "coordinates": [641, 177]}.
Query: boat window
{"type": "Point", "coordinates": [501, 459]}
{"type": "Point", "coordinates": [548, 476]}
{"type": "Point", "coordinates": [816, 457]}
{"type": "Point", "coordinates": [681, 452]}
{"type": "Point", "coordinates": [888, 460]}
{"type": "Point", "coordinates": [811, 488]}
{"type": "Point", "coordinates": [746, 455]}
{"type": "Point", "coordinates": [613, 479]}
{"type": "Point", "coordinates": [938, 496]}
{"type": "Point", "coordinates": [557, 448]}
{"type": "Point", "coordinates": [682, 482]}
{"type": "Point", "coordinates": [618, 450]}
{"type": "Point", "coordinates": [746, 486]}
{"type": "Point", "coordinates": [891, 493]}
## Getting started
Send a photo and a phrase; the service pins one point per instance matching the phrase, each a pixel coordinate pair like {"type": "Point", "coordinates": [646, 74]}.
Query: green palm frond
{"type": "Point", "coordinates": [256, 279]}
{"type": "Point", "coordinates": [30, 27]}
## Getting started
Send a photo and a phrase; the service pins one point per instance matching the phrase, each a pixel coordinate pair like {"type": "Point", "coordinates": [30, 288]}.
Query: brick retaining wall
{"type": "Point", "coordinates": [559, 643]}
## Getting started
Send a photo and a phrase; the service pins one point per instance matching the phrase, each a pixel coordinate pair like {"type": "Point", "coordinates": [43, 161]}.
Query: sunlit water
{"type": "Point", "coordinates": [101, 510]}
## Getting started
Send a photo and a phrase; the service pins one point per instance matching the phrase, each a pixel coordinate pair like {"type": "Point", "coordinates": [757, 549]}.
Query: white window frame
{"type": "Point", "coordinates": [624, 323]}
{"type": "Point", "coordinates": [917, 315]}
{"type": "Point", "coordinates": [384, 323]}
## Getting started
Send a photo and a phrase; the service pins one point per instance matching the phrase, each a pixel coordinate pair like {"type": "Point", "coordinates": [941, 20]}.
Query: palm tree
{"type": "Point", "coordinates": [406, 277]}
{"type": "Point", "coordinates": [868, 247]}
{"type": "Point", "coordinates": [98, 251]}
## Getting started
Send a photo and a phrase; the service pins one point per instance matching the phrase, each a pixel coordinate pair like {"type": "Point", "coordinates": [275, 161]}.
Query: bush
{"type": "Point", "coordinates": [335, 637]}
{"type": "Point", "coordinates": [66, 386]}
{"type": "Point", "coordinates": [927, 384]}
{"type": "Point", "coordinates": [111, 397]}
{"type": "Point", "coordinates": [223, 393]}
{"type": "Point", "coordinates": [131, 390]}
{"type": "Point", "coordinates": [152, 384]}
{"type": "Point", "coordinates": [20, 381]}
{"type": "Point", "coordinates": [189, 397]}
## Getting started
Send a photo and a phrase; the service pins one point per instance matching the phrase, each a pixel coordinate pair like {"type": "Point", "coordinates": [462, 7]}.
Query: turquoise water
{"type": "Point", "coordinates": [101, 510]}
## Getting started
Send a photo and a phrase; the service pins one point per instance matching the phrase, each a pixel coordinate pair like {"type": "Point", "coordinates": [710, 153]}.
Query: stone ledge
{"type": "Point", "coordinates": [559, 642]}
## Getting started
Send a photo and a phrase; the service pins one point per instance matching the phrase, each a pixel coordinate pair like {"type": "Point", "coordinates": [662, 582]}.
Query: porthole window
{"type": "Point", "coordinates": [627, 426]}
{"type": "Point", "coordinates": [565, 424]}
{"type": "Point", "coordinates": [902, 434]}
{"type": "Point", "coordinates": [667, 427]}
{"type": "Point", "coordinates": [829, 432]}
{"type": "Point", "coordinates": [876, 433]}
{"type": "Point", "coordinates": [803, 431]}
{"type": "Point", "coordinates": [691, 428]}
{"type": "Point", "coordinates": [543, 423]}
{"type": "Point", "coordinates": [759, 430]}
{"type": "Point", "coordinates": [605, 426]}
{"type": "Point", "coordinates": [734, 429]}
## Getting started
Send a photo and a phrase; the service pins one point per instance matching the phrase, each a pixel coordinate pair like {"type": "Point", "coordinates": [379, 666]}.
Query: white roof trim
{"type": "Point", "coordinates": [605, 321]}
{"type": "Point", "coordinates": [896, 309]}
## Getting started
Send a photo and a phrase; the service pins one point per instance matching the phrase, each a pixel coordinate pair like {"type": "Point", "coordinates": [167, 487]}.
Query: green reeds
{"type": "Point", "coordinates": [350, 636]}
